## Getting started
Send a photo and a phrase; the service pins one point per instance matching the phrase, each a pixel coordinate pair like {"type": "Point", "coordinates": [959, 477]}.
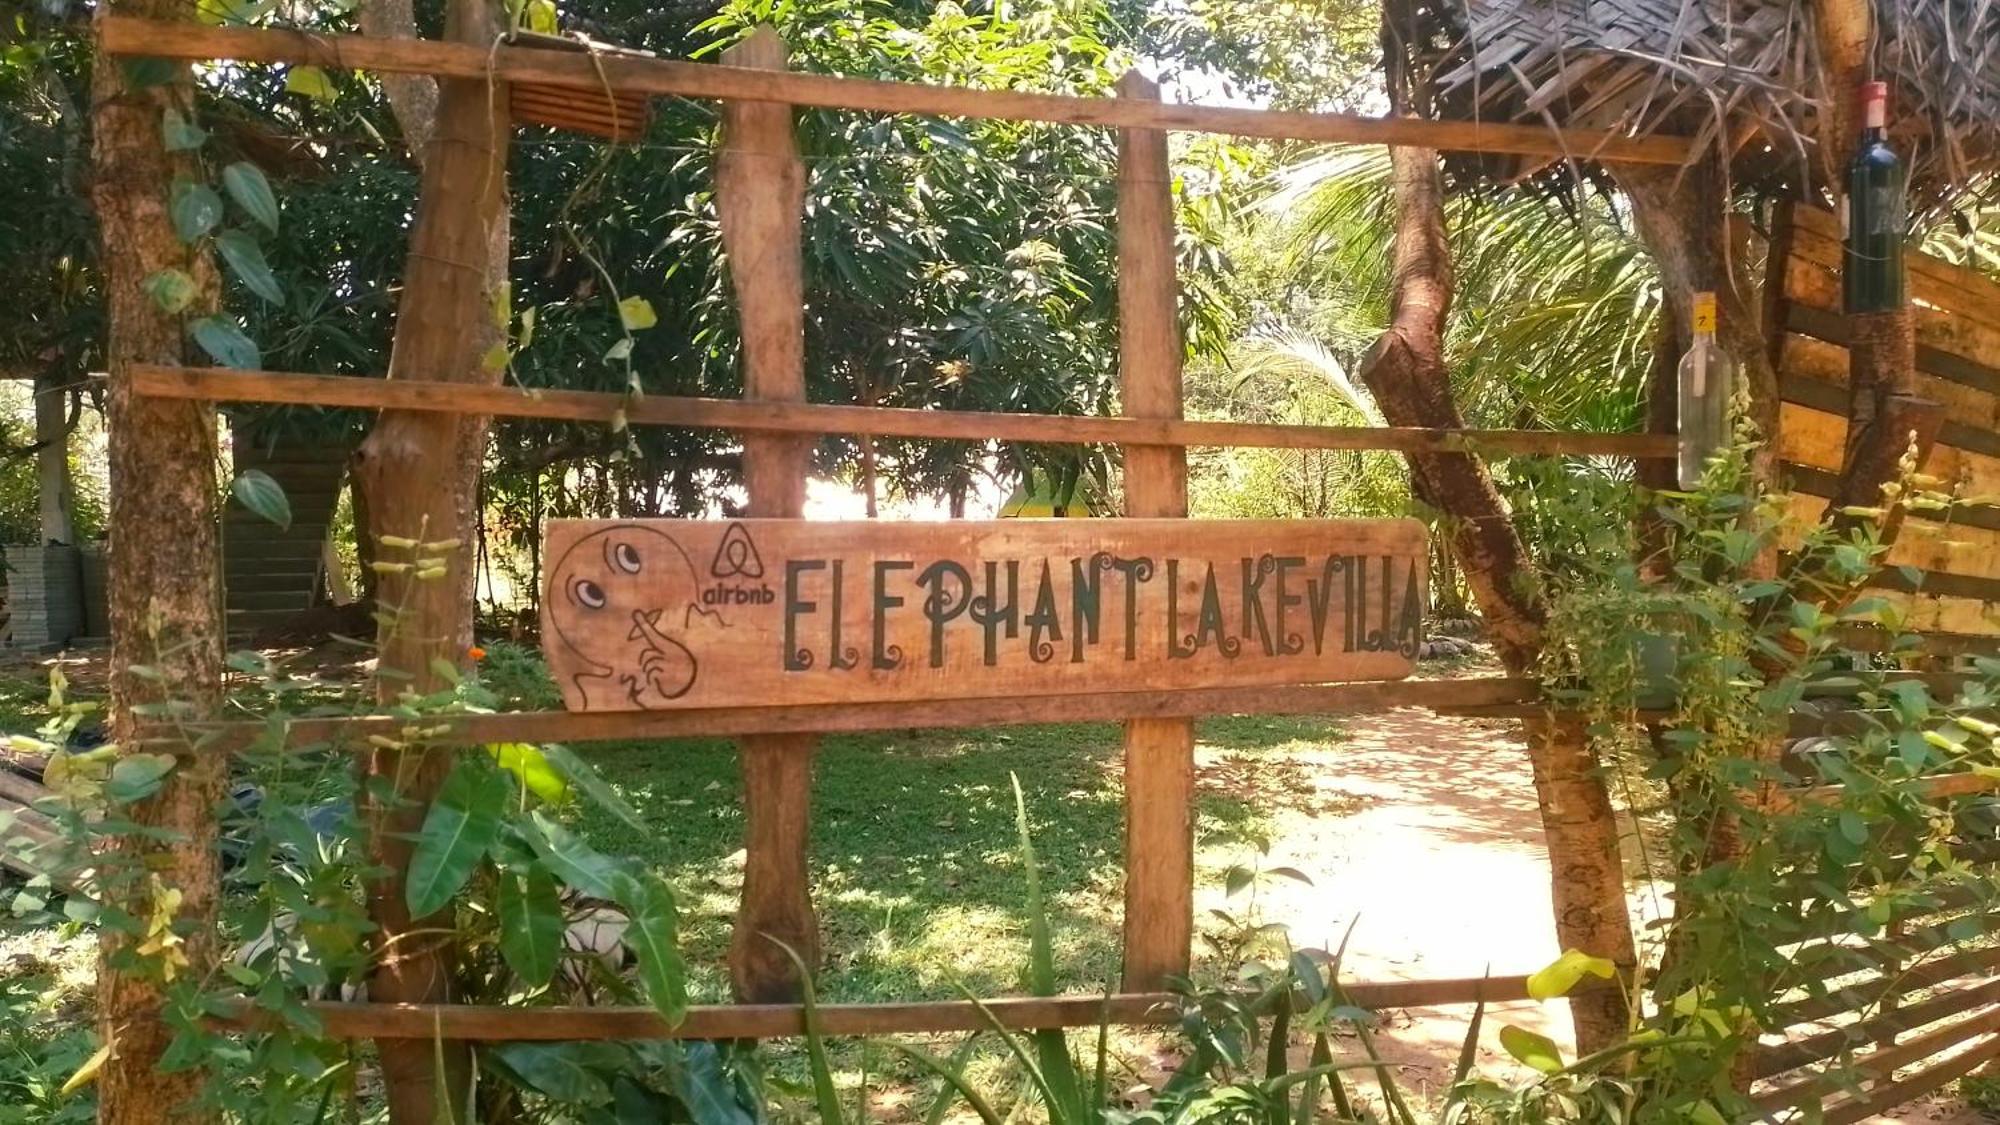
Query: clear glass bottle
{"type": "Point", "coordinates": [1708, 382]}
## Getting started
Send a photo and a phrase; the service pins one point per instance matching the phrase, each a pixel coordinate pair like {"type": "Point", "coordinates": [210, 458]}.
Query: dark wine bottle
{"type": "Point", "coordinates": [1877, 213]}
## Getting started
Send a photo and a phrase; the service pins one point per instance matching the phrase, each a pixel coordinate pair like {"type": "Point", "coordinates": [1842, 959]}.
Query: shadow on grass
{"type": "Point", "coordinates": [914, 851]}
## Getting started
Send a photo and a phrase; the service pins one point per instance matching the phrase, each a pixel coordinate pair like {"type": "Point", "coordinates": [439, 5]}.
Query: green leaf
{"type": "Point", "coordinates": [566, 1072]}
{"type": "Point", "coordinates": [137, 776]}
{"type": "Point", "coordinates": [577, 864]}
{"type": "Point", "coordinates": [1853, 827]}
{"type": "Point", "coordinates": [581, 775]}
{"type": "Point", "coordinates": [252, 192]}
{"type": "Point", "coordinates": [705, 1087]}
{"type": "Point", "coordinates": [655, 936]}
{"type": "Point", "coordinates": [462, 823]}
{"type": "Point", "coordinates": [311, 82]}
{"type": "Point", "coordinates": [636, 314]}
{"type": "Point", "coordinates": [225, 343]}
{"type": "Point", "coordinates": [171, 289]}
{"type": "Point", "coordinates": [256, 490]}
{"type": "Point", "coordinates": [246, 260]}
{"type": "Point", "coordinates": [1538, 1051]}
{"type": "Point", "coordinates": [529, 766]}
{"type": "Point", "coordinates": [531, 924]}
{"type": "Point", "coordinates": [1559, 976]}
{"type": "Point", "coordinates": [1063, 1085]}
{"type": "Point", "coordinates": [178, 133]}
{"type": "Point", "coordinates": [194, 209]}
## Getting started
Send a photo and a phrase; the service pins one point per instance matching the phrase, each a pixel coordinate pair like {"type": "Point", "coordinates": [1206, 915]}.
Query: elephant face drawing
{"type": "Point", "coordinates": [620, 600]}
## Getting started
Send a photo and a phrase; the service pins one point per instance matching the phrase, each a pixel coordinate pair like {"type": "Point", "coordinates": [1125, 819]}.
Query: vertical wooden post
{"type": "Point", "coordinates": [1159, 753]}
{"type": "Point", "coordinates": [760, 196]}
{"type": "Point", "coordinates": [165, 606]}
{"type": "Point", "coordinates": [418, 472]}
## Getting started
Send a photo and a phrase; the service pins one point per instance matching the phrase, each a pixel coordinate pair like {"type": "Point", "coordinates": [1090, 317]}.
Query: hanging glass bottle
{"type": "Point", "coordinates": [1707, 383]}
{"type": "Point", "coordinates": [1877, 212]}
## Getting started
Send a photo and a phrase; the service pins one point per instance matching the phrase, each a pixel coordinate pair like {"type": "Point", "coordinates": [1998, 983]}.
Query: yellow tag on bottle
{"type": "Point", "coordinates": [1704, 313]}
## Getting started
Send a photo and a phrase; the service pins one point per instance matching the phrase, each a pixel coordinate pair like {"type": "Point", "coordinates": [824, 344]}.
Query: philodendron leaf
{"type": "Point", "coordinates": [461, 825]}
{"type": "Point", "coordinates": [531, 924]}
{"type": "Point", "coordinates": [256, 490]}
{"type": "Point", "coordinates": [577, 864]}
{"type": "Point", "coordinates": [1538, 1051]}
{"type": "Point", "coordinates": [566, 1072]}
{"type": "Point", "coordinates": [225, 343]}
{"type": "Point", "coordinates": [531, 767]}
{"type": "Point", "coordinates": [1559, 976]}
{"type": "Point", "coordinates": [171, 289]}
{"type": "Point", "coordinates": [704, 1086]}
{"type": "Point", "coordinates": [246, 259]}
{"type": "Point", "coordinates": [654, 936]}
{"type": "Point", "coordinates": [593, 785]}
{"type": "Point", "coordinates": [194, 209]}
{"type": "Point", "coordinates": [252, 192]}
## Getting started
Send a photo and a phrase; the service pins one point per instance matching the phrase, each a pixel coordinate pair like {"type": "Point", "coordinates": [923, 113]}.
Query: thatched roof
{"type": "Point", "coordinates": [1744, 74]}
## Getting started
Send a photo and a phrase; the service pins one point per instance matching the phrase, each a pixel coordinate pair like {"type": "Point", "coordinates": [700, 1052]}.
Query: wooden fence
{"type": "Point", "coordinates": [1958, 365]}
{"type": "Point", "coordinates": [761, 216]}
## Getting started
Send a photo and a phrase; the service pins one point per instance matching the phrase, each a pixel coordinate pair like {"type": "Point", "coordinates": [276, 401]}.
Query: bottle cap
{"type": "Point", "coordinates": [1874, 104]}
{"type": "Point", "coordinates": [1704, 312]}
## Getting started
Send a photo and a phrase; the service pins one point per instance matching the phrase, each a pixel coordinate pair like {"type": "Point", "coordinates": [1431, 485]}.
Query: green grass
{"type": "Point", "coordinates": [914, 865]}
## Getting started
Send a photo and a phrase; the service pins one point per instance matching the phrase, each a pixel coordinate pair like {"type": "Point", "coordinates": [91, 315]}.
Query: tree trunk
{"type": "Point", "coordinates": [165, 601]}
{"type": "Point", "coordinates": [55, 494]}
{"type": "Point", "coordinates": [1406, 371]}
{"type": "Point", "coordinates": [1586, 874]}
{"type": "Point", "coordinates": [419, 471]}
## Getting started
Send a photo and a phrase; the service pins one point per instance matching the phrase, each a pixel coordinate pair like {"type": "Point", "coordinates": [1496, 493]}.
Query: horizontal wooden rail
{"type": "Point", "coordinates": [123, 35]}
{"type": "Point", "coordinates": [346, 1020]}
{"type": "Point", "coordinates": [1889, 1095]}
{"type": "Point", "coordinates": [215, 384]}
{"type": "Point", "coordinates": [1878, 1065]}
{"type": "Point", "coordinates": [602, 726]}
{"type": "Point", "coordinates": [1777, 1059]}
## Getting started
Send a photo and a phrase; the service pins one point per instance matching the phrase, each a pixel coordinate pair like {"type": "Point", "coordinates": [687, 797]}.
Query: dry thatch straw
{"type": "Point", "coordinates": [1742, 75]}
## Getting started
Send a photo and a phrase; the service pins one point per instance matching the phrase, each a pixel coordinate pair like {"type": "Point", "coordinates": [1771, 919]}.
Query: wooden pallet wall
{"type": "Point", "coordinates": [1958, 363]}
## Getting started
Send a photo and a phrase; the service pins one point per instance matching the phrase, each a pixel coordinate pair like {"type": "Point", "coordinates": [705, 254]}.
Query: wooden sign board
{"type": "Point", "coordinates": [646, 614]}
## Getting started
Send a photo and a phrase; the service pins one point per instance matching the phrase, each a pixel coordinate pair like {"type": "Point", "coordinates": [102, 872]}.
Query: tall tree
{"type": "Point", "coordinates": [165, 616]}
{"type": "Point", "coordinates": [1407, 373]}
{"type": "Point", "coordinates": [419, 472]}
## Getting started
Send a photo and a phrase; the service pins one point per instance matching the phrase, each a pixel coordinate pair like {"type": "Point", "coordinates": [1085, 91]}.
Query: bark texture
{"type": "Point", "coordinates": [413, 98]}
{"type": "Point", "coordinates": [1586, 873]}
{"type": "Point", "coordinates": [1406, 373]}
{"type": "Point", "coordinates": [165, 601]}
{"type": "Point", "coordinates": [419, 474]}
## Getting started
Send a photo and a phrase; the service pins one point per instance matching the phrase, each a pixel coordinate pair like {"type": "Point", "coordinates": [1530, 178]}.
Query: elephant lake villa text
{"type": "Point", "coordinates": [652, 614]}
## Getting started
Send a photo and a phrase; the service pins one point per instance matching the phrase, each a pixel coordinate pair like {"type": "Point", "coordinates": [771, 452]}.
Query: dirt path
{"type": "Point", "coordinates": [1443, 873]}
